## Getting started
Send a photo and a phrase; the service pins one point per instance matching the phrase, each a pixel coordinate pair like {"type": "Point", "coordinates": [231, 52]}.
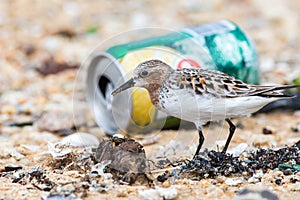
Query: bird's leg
{"type": "Point", "coordinates": [231, 132]}
{"type": "Point", "coordinates": [201, 140]}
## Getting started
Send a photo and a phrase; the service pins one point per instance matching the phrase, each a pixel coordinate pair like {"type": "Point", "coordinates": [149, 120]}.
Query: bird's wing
{"type": "Point", "coordinates": [220, 84]}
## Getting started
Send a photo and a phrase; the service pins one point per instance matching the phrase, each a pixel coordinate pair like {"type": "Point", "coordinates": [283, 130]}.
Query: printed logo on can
{"type": "Point", "coordinates": [187, 63]}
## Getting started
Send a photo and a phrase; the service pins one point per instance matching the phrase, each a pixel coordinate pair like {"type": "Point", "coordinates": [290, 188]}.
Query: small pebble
{"type": "Point", "coordinates": [56, 121]}
{"type": "Point", "coordinates": [253, 180]}
{"type": "Point", "coordinates": [234, 182]}
{"type": "Point", "coordinates": [163, 177]}
{"type": "Point", "coordinates": [57, 197]}
{"type": "Point", "coordinates": [268, 177]}
{"type": "Point", "coordinates": [278, 174]}
{"type": "Point", "coordinates": [214, 182]}
{"type": "Point", "coordinates": [167, 193]}
{"type": "Point", "coordinates": [220, 179]}
{"type": "Point", "coordinates": [278, 181]}
{"type": "Point", "coordinates": [264, 140]}
{"type": "Point", "coordinates": [9, 168]}
{"type": "Point", "coordinates": [236, 151]}
{"type": "Point", "coordinates": [9, 110]}
{"type": "Point", "coordinates": [287, 172]}
{"type": "Point", "coordinates": [293, 180]}
{"type": "Point", "coordinates": [80, 140]}
{"type": "Point", "coordinates": [150, 194]}
{"type": "Point", "coordinates": [122, 194]}
{"type": "Point", "coordinates": [158, 194]}
{"type": "Point", "coordinates": [297, 113]}
{"type": "Point", "coordinates": [268, 130]}
{"type": "Point", "coordinates": [296, 128]}
{"type": "Point", "coordinates": [166, 184]}
{"type": "Point", "coordinates": [294, 187]}
{"type": "Point", "coordinates": [215, 192]}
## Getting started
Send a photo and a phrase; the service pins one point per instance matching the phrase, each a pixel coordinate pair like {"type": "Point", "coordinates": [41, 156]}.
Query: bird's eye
{"type": "Point", "coordinates": [144, 73]}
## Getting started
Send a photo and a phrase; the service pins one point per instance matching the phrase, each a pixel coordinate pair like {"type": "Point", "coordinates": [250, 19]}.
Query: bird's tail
{"type": "Point", "coordinates": [273, 91]}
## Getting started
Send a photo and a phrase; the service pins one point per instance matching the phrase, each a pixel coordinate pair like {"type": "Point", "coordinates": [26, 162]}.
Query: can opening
{"type": "Point", "coordinates": [103, 85]}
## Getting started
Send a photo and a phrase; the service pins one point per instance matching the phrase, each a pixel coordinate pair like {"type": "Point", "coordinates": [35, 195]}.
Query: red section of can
{"type": "Point", "coordinates": [188, 63]}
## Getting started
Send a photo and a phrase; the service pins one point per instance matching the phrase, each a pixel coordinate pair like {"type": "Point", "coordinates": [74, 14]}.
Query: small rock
{"type": "Point", "coordinates": [163, 177]}
{"type": "Point", "coordinates": [214, 192]}
{"type": "Point", "coordinates": [55, 121]}
{"type": "Point", "coordinates": [234, 182]}
{"type": "Point", "coordinates": [256, 177]}
{"type": "Point", "coordinates": [287, 172]}
{"type": "Point", "coordinates": [10, 168]}
{"type": "Point", "coordinates": [171, 150]}
{"type": "Point", "coordinates": [220, 179]}
{"type": "Point", "coordinates": [122, 193]}
{"type": "Point", "coordinates": [278, 174]}
{"type": "Point", "coordinates": [296, 128]}
{"type": "Point", "coordinates": [293, 180]}
{"type": "Point", "coordinates": [166, 184]}
{"type": "Point", "coordinates": [294, 187]}
{"type": "Point", "coordinates": [58, 197]}
{"type": "Point", "coordinates": [267, 64]}
{"type": "Point", "coordinates": [139, 19]}
{"type": "Point", "coordinates": [150, 194]}
{"type": "Point", "coordinates": [80, 140]}
{"type": "Point", "coordinates": [253, 180]}
{"type": "Point", "coordinates": [9, 110]}
{"type": "Point", "coordinates": [58, 151]}
{"type": "Point", "coordinates": [297, 113]}
{"type": "Point", "coordinates": [268, 130]}
{"type": "Point", "coordinates": [52, 66]}
{"type": "Point", "coordinates": [263, 140]}
{"type": "Point", "coordinates": [149, 140]}
{"type": "Point", "coordinates": [167, 193]}
{"type": "Point", "coordinates": [51, 43]}
{"type": "Point", "coordinates": [159, 194]}
{"type": "Point", "coordinates": [99, 169]}
{"type": "Point", "coordinates": [268, 177]}
{"type": "Point", "coordinates": [28, 49]}
{"type": "Point", "coordinates": [236, 151]}
{"type": "Point", "coordinates": [67, 33]}
{"type": "Point", "coordinates": [278, 181]}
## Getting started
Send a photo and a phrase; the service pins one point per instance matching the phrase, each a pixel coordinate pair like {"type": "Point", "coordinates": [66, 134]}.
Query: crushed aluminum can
{"type": "Point", "coordinates": [221, 46]}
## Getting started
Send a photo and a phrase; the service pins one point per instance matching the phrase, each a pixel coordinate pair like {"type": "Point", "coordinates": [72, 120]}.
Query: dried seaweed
{"type": "Point", "coordinates": [128, 159]}
{"type": "Point", "coordinates": [51, 66]}
{"type": "Point", "coordinates": [210, 164]}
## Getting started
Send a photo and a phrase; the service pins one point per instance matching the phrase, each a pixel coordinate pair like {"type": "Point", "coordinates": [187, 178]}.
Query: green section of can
{"type": "Point", "coordinates": [234, 54]}
{"type": "Point", "coordinates": [120, 51]}
{"type": "Point", "coordinates": [231, 50]}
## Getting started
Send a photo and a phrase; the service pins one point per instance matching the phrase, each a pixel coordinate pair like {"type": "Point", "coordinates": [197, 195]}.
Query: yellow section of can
{"type": "Point", "coordinates": [143, 111]}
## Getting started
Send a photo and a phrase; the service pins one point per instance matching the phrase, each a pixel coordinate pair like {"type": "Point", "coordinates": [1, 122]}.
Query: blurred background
{"type": "Point", "coordinates": [32, 31]}
{"type": "Point", "coordinates": [44, 44]}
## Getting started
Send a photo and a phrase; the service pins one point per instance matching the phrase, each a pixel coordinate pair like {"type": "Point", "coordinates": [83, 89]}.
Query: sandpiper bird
{"type": "Point", "coordinates": [200, 95]}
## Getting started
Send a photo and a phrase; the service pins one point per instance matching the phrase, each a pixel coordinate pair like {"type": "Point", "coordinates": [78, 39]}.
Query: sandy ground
{"type": "Point", "coordinates": [38, 35]}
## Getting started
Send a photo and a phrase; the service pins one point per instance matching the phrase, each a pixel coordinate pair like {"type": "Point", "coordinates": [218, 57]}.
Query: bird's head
{"type": "Point", "coordinates": [149, 74]}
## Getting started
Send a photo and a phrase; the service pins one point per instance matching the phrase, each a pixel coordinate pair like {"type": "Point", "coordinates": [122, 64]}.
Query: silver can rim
{"type": "Point", "coordinates": [99, 104]}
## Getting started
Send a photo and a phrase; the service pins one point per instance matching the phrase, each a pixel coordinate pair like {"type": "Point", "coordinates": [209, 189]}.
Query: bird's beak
{"type": "Point", "coordinates": [130, 83]}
